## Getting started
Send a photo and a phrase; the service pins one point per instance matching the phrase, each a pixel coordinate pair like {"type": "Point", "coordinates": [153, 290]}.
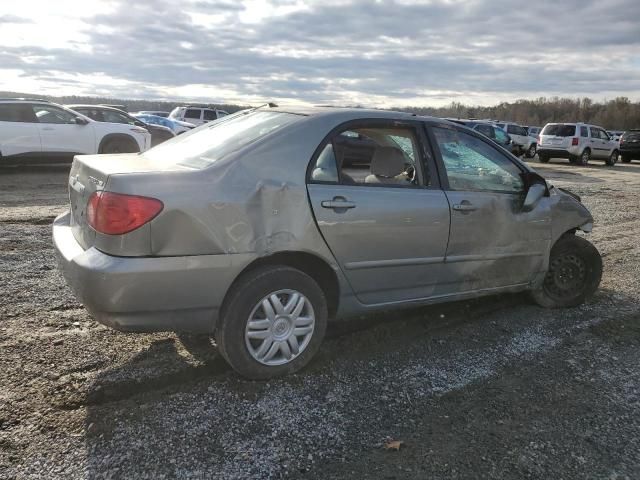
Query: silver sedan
{"type": "Point", "coordinates": [256, 230]}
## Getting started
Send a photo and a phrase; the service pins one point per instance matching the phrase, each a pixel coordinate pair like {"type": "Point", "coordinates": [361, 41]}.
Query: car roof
{"type": "Point", "coordinates": [350, 113]}
{"type": "Point", "coordinates": [101, 107]}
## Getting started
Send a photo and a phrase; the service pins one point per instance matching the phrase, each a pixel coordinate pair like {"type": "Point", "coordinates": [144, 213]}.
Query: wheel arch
{"type": "Point", "coordinates": [311, 264]}
{"type": "Point", "coordinates": [117, 136]}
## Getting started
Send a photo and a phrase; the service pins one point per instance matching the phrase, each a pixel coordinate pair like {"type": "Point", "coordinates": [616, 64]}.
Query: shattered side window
{"type": "Point", "coordinates": [473, 165]}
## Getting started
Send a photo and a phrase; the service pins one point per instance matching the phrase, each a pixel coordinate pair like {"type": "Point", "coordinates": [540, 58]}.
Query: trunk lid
{"type": "Point", "coordinates": [89, 174]}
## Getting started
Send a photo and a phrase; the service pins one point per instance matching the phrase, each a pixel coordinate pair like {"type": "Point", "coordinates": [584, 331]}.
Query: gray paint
{"type": "Point", "coordinates": [397, 247]}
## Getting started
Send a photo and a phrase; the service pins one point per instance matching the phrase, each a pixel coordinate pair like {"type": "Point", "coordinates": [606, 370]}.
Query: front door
{"type": "Point", "coordinates": [492, 243]}
{"type": "Point", "coordinates": [599, 143]}
{"type": "Point", "coordinates": [59, 132]}
{"type": "Point", "coordinates": [386, 222]}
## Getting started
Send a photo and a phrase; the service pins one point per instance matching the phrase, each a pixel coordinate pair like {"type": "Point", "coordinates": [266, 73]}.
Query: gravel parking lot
{"type": "Point", "coordinates": [494, 388]}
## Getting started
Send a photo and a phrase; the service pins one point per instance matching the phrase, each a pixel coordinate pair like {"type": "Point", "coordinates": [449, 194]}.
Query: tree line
{"type": "Point", "coordinates": [618, 114]}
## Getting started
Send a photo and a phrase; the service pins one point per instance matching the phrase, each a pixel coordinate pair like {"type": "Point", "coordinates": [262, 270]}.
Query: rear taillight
{"type": "Point", "coordinates": [538, 139]}
{"type": "Point", "coordinates": [574, 141]}
{"type": "Point", "coordinates": [116, 213]}
{"type": "Point", "coordinates": [621, 139]}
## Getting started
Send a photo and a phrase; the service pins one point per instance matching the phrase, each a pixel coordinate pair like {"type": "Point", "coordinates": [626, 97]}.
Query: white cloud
{"type": "Point", "coordinates": [382, 52]}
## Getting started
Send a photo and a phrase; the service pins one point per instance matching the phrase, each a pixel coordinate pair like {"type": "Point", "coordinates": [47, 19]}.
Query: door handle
{"type": "Point", "coordinates": [337, 203]}
{"type": "Point", "coordinates": [464, 207]}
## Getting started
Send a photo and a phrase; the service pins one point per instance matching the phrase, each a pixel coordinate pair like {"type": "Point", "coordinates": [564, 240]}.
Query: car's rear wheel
{"type": "Point", "coordinates": [120, 145]}
{"type": "Point", "coordinates": [585, 157]}
{"type": "Point", "coordinates": [575, 270]}
{"type": "Point", "coordinates": [543, 158]}
{"type": "Point", "coordinates": [626, 158]}
{"type": "Point", "coordinates": [531, 152]}
{"type": "Point", "coordinates": [273, 322]}
{"type": "Point", "coordinates": [613, 158]}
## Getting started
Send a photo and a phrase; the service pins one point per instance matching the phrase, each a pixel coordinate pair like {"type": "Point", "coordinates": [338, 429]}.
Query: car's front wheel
{"type": "Point", "coordinates": [626, 158]}
{"type": "Point", "coordinates": [273, 322]}
{"type": "Point", "coordinates": [575, 270]}
{"type": "Point", "coordinates": [120, 145]}
{"type": "Point", "coordinates": [543, 158]}
{"type": "Point", "coordinates": [613, 158]}
{"type": "Point", "coordinates": [531, 152]}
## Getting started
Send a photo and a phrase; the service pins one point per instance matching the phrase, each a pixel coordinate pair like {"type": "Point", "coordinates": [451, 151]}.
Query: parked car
{"type": "Point", "coordinates": [491, 131]}
{"type": "Point", "coordinates": [615, 134]}
{"type": "Point", "coordinates": [578, 142]}
{"type": "Point", "coordinates": [533, 131]}
{"type": "Point", "coordinates": [41, 130]}
{"type": "Point", "coordinates": [101, 113]}
{"type": "Point", "coordinates": [196, 114]}
{"type": "Point", "coordinates": [527, 145]}
{"type": "Point", "coordinates": [249, 229]}
{"type": "Point", "coordinates": [630, 145]}
{"type": "Point", "coordinates": [157, 113]}
{"type": "Point", "coordinates": [176, 126]}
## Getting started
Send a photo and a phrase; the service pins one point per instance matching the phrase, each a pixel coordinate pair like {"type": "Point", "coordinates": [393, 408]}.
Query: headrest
{"type": "Point", "coordinates": [387, 162]}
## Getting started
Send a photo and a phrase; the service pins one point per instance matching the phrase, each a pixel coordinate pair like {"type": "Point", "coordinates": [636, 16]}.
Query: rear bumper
{"type": "Point", "coordinates": [556, 152]}
{"type": "Point", "coordinates": [146, 294]}
{"type": "Point", "coordinates": [631, 151]}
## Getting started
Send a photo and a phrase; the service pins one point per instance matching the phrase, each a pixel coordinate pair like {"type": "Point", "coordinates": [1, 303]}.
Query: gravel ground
{"type": "Point", "coordinates": [495, 388]}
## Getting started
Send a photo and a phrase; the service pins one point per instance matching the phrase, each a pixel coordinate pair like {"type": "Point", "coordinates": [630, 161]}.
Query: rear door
{"type": "Point", "coordinates": [387, 222]}
{"type": "Point", "coordinates": [492, 243]}
{"type": "Point", "coordinates": [59, 132]}
{"type": "Point", "coordinates": [19, 133]}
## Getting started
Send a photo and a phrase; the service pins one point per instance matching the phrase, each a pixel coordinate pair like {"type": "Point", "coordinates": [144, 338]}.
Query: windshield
{"type": "Point", "coordinates": [203, 146]}
{"type": "Point", "coordinates": [559, 130]}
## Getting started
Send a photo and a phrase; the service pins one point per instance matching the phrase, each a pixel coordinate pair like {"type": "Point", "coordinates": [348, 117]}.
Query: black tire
{"type": "Point", "coordinates": [531, 151]}
{"type": "Point", "coordinates": [120, 145]}
{"type": "Point", "coordinates": [585, 157]}
{"type": "Point", "coordinates": [626, 159]}
{"type": "Point", "coordinates": [573, 159]}
{"type": "Point", "coordinates": [575, 270]}
{"type": "Point", "coordinates": [250, 289]}
{"type": "Point", "coordinates": [543, 158]}
{"type": "Point", "coordinates": [613, 159]}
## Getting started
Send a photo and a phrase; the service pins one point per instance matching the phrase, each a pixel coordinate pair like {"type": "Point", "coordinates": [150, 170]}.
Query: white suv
{"type": "Point", "coordinates": [196, 114]}
{"type": "Point", "coordinates": [46, 131]}
{"type": "Point", "coordinates": [520, 137]}
{"type": "Point", "coordinates": [578, 142]}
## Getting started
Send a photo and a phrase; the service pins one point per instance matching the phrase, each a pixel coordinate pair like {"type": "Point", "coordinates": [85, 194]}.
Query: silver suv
{"type": "Point", "coordinates": [578, 142]}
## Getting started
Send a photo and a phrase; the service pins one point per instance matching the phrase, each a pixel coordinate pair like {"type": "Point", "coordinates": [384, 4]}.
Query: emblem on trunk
{"type": "Point", "coordinates": [95, 181]}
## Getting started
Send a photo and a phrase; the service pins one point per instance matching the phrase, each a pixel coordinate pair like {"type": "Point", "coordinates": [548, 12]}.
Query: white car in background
{"type": "Point", "coordinates": [520, 137]}
{"type": "Point", "coordinates": [42, 130]}
{"type": "Point", "coordinates": [197, 114]}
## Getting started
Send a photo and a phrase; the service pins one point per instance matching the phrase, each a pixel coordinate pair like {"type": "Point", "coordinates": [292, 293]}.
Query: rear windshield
{"type": "Point", "coordinates": [559, 130]}
{"type": "Point", "coordinates": [203, 146]}
{"type": "Point", "coordinates": [632, 135]}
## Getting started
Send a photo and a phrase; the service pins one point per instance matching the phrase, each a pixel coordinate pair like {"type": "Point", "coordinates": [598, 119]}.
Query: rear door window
{"type": "Point", "coordinates": [209, 115]}
{"type": "Point", "coordinates": [192, 113]}
{"type": "Point", "coordinates": [51, 114]}
{"type": "Point", "coordinates": [16, 112]}
{"type": "Point", "coordinates": [584, 132]}
{"type": "Point", "coordinates": [559, 130]}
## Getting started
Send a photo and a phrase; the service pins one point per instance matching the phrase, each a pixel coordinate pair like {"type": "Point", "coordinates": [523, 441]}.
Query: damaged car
{"type": "Point", "coordinates": [255, 230]}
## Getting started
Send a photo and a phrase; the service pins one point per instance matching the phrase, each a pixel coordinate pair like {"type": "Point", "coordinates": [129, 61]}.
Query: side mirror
{"type": "Point", "coordinates": [80, 121]}
{"type": "Point", "coordinates": [534, 194]}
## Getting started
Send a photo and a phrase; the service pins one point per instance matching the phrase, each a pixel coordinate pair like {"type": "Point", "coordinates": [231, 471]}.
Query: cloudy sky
{"type": "Point", "coordinates": [375, 53]}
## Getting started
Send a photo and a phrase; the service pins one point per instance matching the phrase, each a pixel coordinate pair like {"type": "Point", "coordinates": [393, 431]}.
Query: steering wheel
{"type": "Point", "coordinates": [410, 172]}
